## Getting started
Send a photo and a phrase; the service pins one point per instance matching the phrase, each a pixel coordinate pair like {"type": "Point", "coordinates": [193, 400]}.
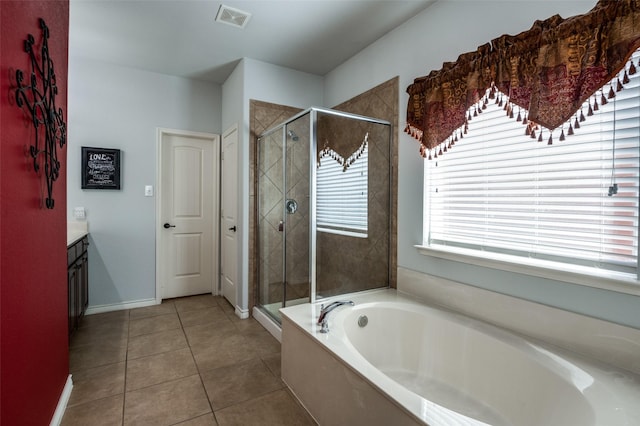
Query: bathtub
{"type": "Point", "coordinates": [417, 364]}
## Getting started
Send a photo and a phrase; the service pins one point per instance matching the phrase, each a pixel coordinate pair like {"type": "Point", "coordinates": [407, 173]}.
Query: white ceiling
{"type": "Point", "coordinates": [181, 37]}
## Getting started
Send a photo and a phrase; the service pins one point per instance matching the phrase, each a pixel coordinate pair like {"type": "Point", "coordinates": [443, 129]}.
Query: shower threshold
{"type": "Point", "coordinates": [273, 309]}
{"type": "Point", "coordinates": [269, 315]}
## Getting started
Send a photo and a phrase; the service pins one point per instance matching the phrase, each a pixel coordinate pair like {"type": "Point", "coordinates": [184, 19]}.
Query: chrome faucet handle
{"type": "Point", "coordinates": [324, 326]}
{"type": "Point", "coordinates": [324, 312]}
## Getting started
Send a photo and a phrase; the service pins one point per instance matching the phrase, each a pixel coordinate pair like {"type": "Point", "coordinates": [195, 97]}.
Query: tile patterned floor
{"type": "Point", "coordinates": [189, 361]}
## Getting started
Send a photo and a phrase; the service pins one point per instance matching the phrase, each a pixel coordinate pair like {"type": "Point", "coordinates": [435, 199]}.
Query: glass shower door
{"type": "Point", "coordinates": [270, 223]}
{"type": "Point", "coordinates": [283, 216]}
{"type": "Point", "coordinates": [296, 216]}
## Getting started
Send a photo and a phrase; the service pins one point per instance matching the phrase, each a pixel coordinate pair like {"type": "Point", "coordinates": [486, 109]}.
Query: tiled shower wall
{"type": "Point", "coordinates": [343, 263]}
{"type": "Point", "coordinates": [346, 264]}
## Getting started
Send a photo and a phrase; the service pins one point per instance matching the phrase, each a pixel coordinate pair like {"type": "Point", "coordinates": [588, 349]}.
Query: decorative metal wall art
{"type": "Point", "coordinates": [37, 98]}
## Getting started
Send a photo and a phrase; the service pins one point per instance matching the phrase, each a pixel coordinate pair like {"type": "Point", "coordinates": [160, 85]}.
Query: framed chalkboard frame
{"type": "Point", "coordinates": [114, 175]}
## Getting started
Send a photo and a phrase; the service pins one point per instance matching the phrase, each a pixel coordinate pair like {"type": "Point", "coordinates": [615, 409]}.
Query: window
{"type": "Point", "coordinates": [342, 195]}
{"type": "Point", "coordinates": [499, 191]}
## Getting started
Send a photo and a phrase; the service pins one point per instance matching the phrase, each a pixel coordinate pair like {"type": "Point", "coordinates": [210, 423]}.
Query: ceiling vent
{"type": "Point", "coordinates": [231, 16]}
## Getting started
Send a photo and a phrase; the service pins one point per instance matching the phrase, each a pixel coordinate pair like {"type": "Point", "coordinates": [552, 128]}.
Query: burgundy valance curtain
{"type": "Point", "coordinates": [549, 71]}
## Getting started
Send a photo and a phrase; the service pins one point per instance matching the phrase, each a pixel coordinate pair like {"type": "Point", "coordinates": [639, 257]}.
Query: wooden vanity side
{"type": "Point", "coordinates": [78, 282]}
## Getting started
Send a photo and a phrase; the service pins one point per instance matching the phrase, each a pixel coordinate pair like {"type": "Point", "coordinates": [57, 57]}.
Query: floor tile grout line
{"type": "Point", "coordinates": [252, 399]}
{"type": "Point", "coordinates": [258, 357]}
{"type": "Point", "coordinates": [93, 367]}
{"type": "Point", "coordinates": [192, 418]}
{"type": "Point", "coordinates": [94, 400]}
{"type": "Point", "coordinates": [180, 378]}
{"type": "Point", "coordinates": [249, 399]}
{"type": "Point", "coordinates": [80, 346]}
{"type": "Point", "coordinates": [175, 379]}
{"type": "Point", "coordinates": [198, 370]}
{"type": "Point", "coordinates": [126, 366]}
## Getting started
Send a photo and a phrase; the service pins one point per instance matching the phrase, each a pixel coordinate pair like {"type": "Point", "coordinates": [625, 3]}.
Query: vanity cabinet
{"type": "Point", "coordinates": [78, 281]}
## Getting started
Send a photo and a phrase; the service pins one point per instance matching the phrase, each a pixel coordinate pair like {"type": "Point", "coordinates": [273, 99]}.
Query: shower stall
{"type": "Point", "coordinates": [323, 182]}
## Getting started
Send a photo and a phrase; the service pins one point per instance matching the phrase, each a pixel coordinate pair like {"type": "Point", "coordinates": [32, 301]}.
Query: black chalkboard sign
{"type": "Point", "coordinates": [100, 168]}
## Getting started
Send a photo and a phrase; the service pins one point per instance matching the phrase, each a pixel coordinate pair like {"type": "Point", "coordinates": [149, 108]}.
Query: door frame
{"type": "Point", "coordinates": [160, 134]}
{"type": "Point", "coordinates": [234, 128]}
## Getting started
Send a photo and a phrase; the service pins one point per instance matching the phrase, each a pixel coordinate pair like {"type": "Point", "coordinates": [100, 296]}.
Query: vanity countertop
{"type": "Point", "coordinates": [75, 231]}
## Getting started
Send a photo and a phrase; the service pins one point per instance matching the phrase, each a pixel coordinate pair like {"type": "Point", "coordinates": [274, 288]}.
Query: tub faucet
{"type": "Point", "coordinates": [324, 312]}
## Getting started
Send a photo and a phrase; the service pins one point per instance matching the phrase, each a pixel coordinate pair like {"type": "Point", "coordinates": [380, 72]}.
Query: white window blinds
{"type": "Point", "coordinates": [342, 196]}
{"type": "Point", "coordinates": [498, 190]}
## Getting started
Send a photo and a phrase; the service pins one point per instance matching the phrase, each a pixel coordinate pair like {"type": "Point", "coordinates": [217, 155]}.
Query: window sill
{"type": "Point", "coordinates": [342, 232]}
{"type": "Point", "coordinates": [606, 280]}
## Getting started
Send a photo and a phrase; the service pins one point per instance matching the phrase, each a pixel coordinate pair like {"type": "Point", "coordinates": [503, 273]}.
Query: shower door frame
{"type": "Point", "coordinates": [313, 183]}
{"type": "Point", "coordinates": [313, 161]}
{"type": "Point", "coordinates": [282, 128]}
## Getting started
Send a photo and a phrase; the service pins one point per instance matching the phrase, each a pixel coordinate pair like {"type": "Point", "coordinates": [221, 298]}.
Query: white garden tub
{"type": "Point", "coordinates": [440, 368]}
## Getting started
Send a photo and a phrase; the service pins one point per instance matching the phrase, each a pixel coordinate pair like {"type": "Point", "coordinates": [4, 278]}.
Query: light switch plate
{"type": "Point", "coordinates": [79, 213]}
{"type": "Point", "coordinates": [148, 191]}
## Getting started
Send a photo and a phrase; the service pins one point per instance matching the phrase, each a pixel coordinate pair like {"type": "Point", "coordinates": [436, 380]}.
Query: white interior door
{"type": "Point", "coordinates": [188, 194]}
{"type": "Point", "coordinates": [229, 212]}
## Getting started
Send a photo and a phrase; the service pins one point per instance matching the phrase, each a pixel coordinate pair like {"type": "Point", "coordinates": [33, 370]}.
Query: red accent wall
{"type": "Point", "coordinates": [34, 358]}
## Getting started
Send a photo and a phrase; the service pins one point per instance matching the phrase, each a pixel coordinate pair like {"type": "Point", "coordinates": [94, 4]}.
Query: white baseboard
{"type": "Point", "coordinates": [242, 313]}
{"type": "Point", "coordinates": [98, 309]}
{"type": "Point", "coordinates": [268, 323]}
{"type": "Point", "coordinates": [62, 403]}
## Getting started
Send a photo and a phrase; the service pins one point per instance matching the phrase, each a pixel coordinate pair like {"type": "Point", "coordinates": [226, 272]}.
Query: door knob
{"type": "Point", "coordinates": [167, 226]}
{"type": "Point", "coordinates": [233, 228]}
